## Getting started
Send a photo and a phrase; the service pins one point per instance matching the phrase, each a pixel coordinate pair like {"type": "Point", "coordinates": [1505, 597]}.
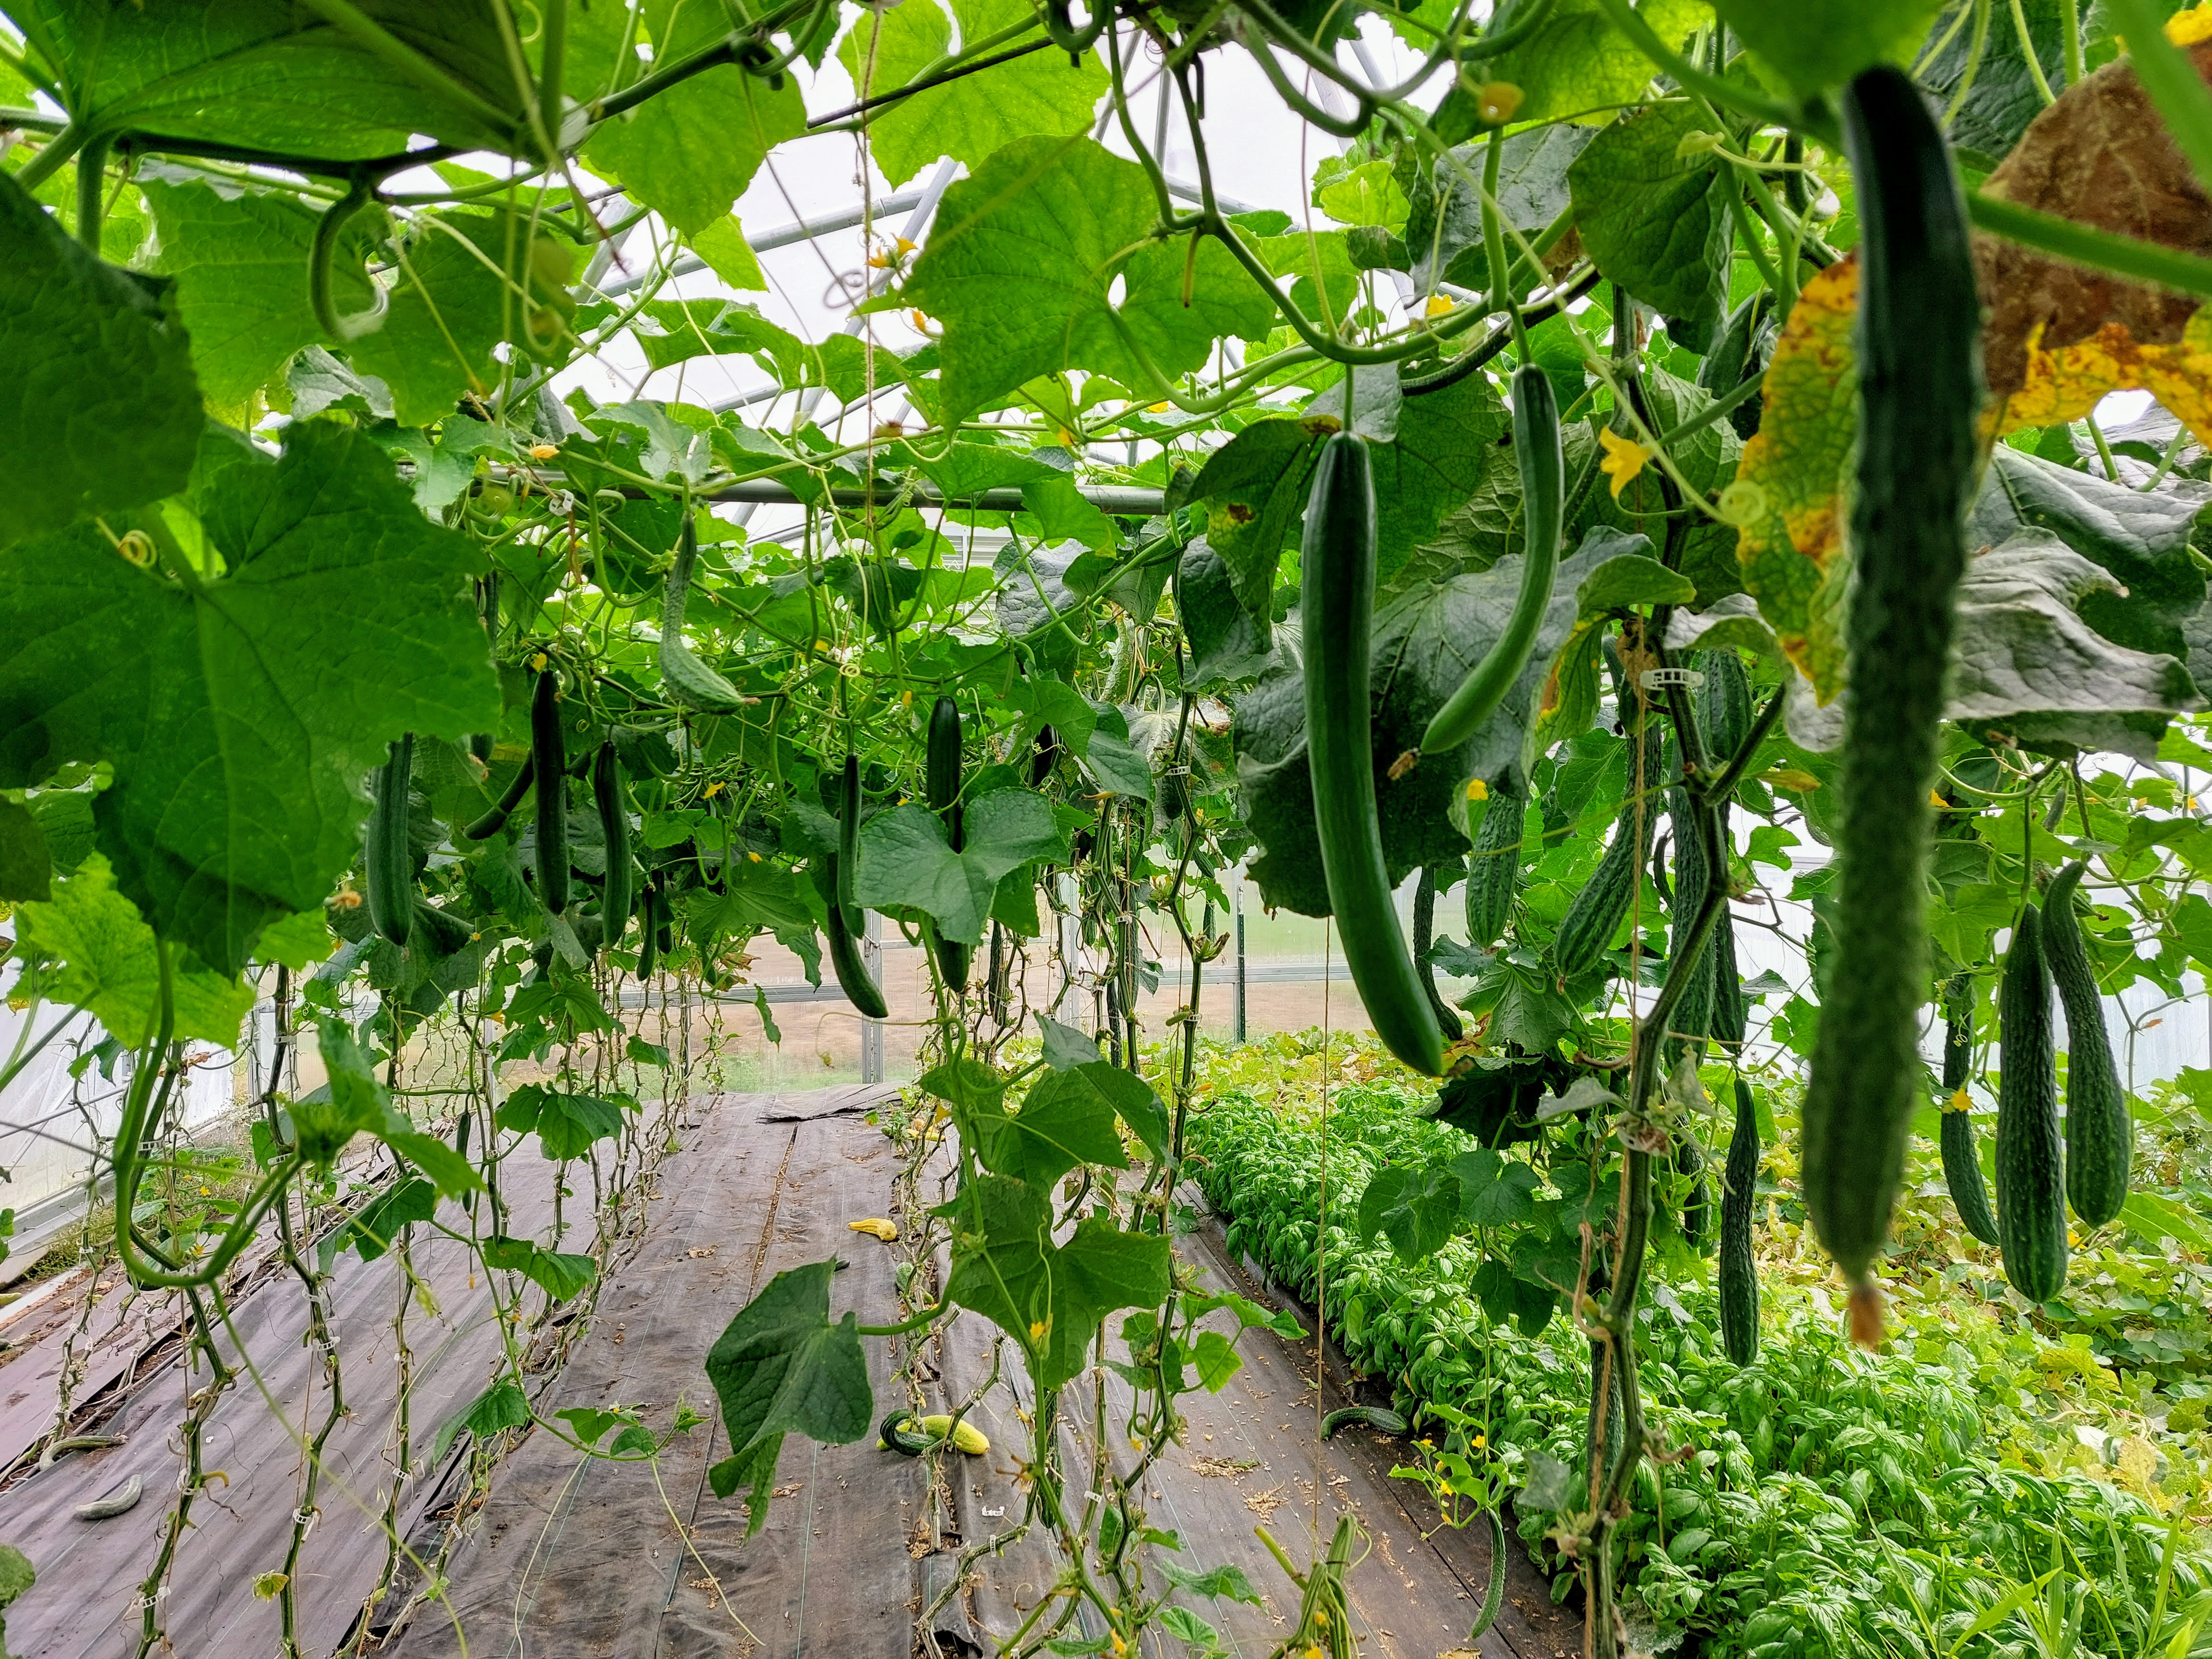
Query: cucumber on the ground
{"type": "Point", "coordinates": [1337, 560]}
{"type": "Point", "coordinates": [1738, 1273]}
{"type": "Point", "coordinates": [549, 757]}
{"type": "Point", "coordinates": [2030, 1166]}
{"type": "Point", "coordinates": [1919, 365]}
{"type": "Point", "coordinates": [1493, 869]}
{"type": "Point", "coordinates": [2100, 1136]}
{"type": "Point", "coordinates": [1425, 935]}
{"type": "Point", "coordinates": [620, 891]}
{"type": "Point", "coordinates": [387, 860]}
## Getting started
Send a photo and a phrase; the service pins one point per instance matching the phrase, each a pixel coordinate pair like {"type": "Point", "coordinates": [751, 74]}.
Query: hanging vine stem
{"type": "Point", "coordinates": [201, 1349]}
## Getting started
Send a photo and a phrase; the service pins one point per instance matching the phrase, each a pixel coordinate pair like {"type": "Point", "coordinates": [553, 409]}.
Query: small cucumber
{"type": "Point", "coordinates": [853, 976]}
{"type": "Point", "coordinates": [388, 861]}
{"type": "Point", "coordinates": [620, 892]}
{"type": "Point", "coordinates": [1739, 1271]}
{"type": "Point", "coordinates": [1493, 869]}
{"type": "Point", "coordinates": [1424, 934]}
{"type": "Point", "coordinates": [2030, 1168]}
{"type": "Point", "coordinates": [1338, 560]}
{"type": "Point", "coordinates": [688, 680]}
{"type": "Point", "coordinates": [549, 753]}
{"type": "Point", "coordinates": [1378, 1418]}
{"type": "Point", "coordinates": [1598, 911]}
{"type": "Point", "coordinates": [2100, 1137]}
{"type": "Point", "coordinates": [941, 767]}
{"type": "Point", "coordinates": [493, 821]}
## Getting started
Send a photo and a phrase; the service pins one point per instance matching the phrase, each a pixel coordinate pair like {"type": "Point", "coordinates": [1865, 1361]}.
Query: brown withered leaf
{"type": "Point", "coordinates": [2101, 157]}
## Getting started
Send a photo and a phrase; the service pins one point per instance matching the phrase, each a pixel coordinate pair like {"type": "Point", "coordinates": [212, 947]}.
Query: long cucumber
{"type": "Point", "coordinates": [1424, 936]}
{"type": "Point", "coordinates": [1962, 1166]}
{"type": "Point", "coordinates": [849, 844]}
{"type": "Point", "coordinates": [941, 778]}
{"type": "Point", "coordinates": [2030, 1168]}
{"type": "Point", "coordinates": [1542, 461]}
{"type": "Point", "coordinates": [2100, 1137]}
{"type": "Point", "coordinates": [495, 820]}
{"type": "Point", "coordinates": [1337, 555]}
{"type": "Point", "coordinates": [859, 985]}
{"type": "Point", "coordinates": [620, 893]}
{"type": "Point", "coordinates": [1919, 355]}
{"type": "Point", "coordinates": [549, 757]}
{"type": "Point", "coordinates": [388, 858]}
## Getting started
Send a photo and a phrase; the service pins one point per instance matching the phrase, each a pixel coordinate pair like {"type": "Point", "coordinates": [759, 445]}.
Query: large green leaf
{"type": "Point", "coordinates": [688, 153]}
{"type": "Point", "coordinates": [782, 1367]}
{"type": "Point", "coordinates": [890, 47]}
{"type": "Point", "coordinates": [1253, 489]}
{"type": "Point", "coordinates": [100, 955]}
{"type": "Point", "coordinates": [1048, 1298]}
{"type": "Point", "coordinates": [559, 1274]}
{"type": "Point", "coordinates": [1022, 262]}
{"type": "Point", "coordinates": [1426, 641]}
{"type": "Point", "coordinates": [1444, 234]}
{"type": "Point", "coordinates": [354, 1102]}
{"type": "Point", "coordinates": [907, 862]}
{"type": "Point", "coordinates": [1227, 642]}
{"type": "Point", "coordinates": [1062, 1122]}
{"type": "Point", "coordinates": [2141, 537]}
{"type": "Point", "coordinates": [1653, 220]}
{"type": "Point", "coordinates": [567, 1124]}
{"type": "Point", "coordinates": [277, 75]}
{"type": "Point", "coordinates": [1813, 44]}
{"type": "Point", "coordinates": [101, 411]}
{"type": "Point", "coordinates": [1444, 446]}
{"type": "Point", "coordinates": [240, 263]}
{"type": "Point", "coordinates": [2002, 98]}
{"type": "Point", "coordinates": [241, 711]}
{"type": "Point", "coordinates": [1577, 63]}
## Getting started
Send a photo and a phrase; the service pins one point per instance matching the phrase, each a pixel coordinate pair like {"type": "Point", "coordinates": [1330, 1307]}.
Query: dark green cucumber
{"type": "Point", "coordinates": [1730, 1010]}
{"type": "Point", "coordinates": [2030, 1166]}
{"type": "Point", "coordinates": [848, 844]}
{"type": "Point", "coordinates": [1738, 1273]}
{"type": "Point", "coordinates": [1598, 911]}
{"type": "Point", "coordinates": [1425, 935]}
{"type": "Point", "coordinates": [1724, 713]}
{"type": "Point", "coordinates": [493, 821]}
{"type": "Point", "coordinates": [1493, 869]}
{"type": "Point", "coordinates": [620, 893]}
{"type": "Point", "coordinates": [853, 976]}
{"type": "Point", "coordinates": [1338, 562]}
{"type": "Point", "coordinates": [1920, 358]}
{"type": "Point", "coordinates": [1698, 1205]}
{"type": "Point", "coordinates": [687, 679]}
{"type": "Point", "coordinates": [550, 759]}
{"type": "Point", "coordinates": [1542, 462]}
{"type": "Point", "coordinates": [648, 944]}
{"type": "Point", "coordinates": [1962, 1166]}
{"type": "Point", "coordinates": [1694, 1014]}
{"type": "Point", "coordinates": [388, 858]}
{"type": "Point", "coordinates": [941, 778]}
{"type": "Point", "coordinates": [2100, 1136]}
{"type": "Point", "coordinates": [1046, 757]}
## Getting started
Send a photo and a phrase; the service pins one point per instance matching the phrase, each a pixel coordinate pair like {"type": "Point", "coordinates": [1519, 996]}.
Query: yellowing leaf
{"type": "Point", "coordinates": [1790, 522]}
{"type": "Point", "coordinates": [2065, 384]}
{"type": "Point", "coordinates": [1624, 458]}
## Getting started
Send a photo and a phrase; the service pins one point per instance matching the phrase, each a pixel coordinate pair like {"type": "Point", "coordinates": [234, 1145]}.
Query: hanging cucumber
{"type": "Point", "coordinates": [1598, 911]}
{"type": "Point", "coordinates": [549, 757]}
{"type": "Point", "coordinates": [1918, 344]}
{"type": "Point", "coordinates": [1724, 713]}
{"type": "Point", "coordinates": [1698, 1206]}
{"type": "Point", "coordinates": [388, 860]}
{"type": "Point", "coordinates": [1337, 555]}
{"type": "Point", "coordinates": [1738, 1273]}
{"type": "Point", "coordinates": [941, 778]}
{"type": "Point", "coordinates": [1542, 462]}
{"type": "Point", "coordinates": [1046, 757]}
{"type": "Point", "coordinates": [2100, 1137]}
{"type": "Point", "coordinates": [1962, 1167]}
{"type": "Point", "coordinates": [851, 970]}
{"type": "Point", "coordinates": [2031, 1170]}
{"type": "Point", "coordinates": [648, 944]}
{"type": "Point", "coordinates": [1729, 1009]}
{"type": "Point", "coordinates": [1424, 934]}
{"type": "Point", "coordinates": [849, 844]}
{"type": "Point", "coordinates": [1692, 881]}
{"type": "Point", "coordinates": [621, 890]}
{"type": "Point", "coordinates": [688, 680]}
{"type": "Point", "coordinates": [493, 821]}
{"type": "Point", "coordinates": [1493, 869]}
